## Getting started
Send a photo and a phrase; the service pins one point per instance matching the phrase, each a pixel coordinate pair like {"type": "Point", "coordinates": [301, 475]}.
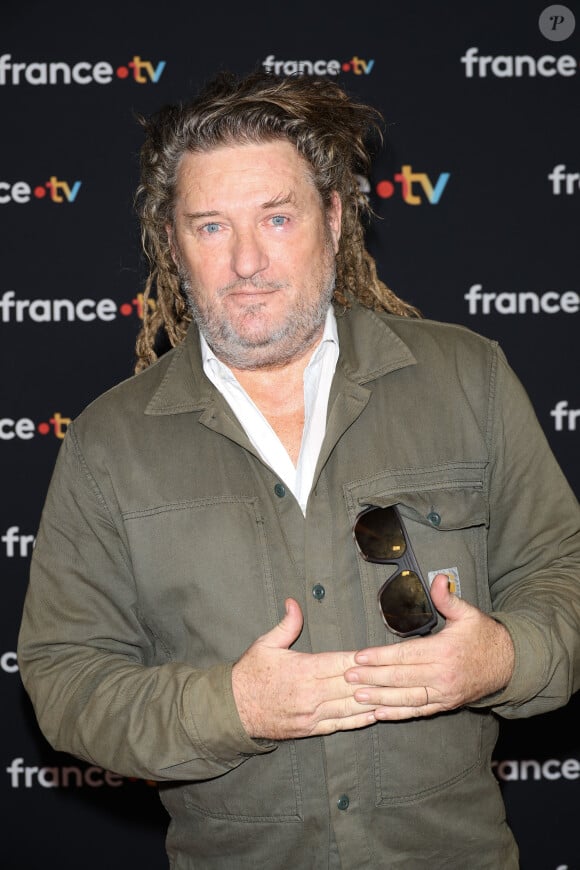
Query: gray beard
{"type": "Point", "coordinates": [292, 339]}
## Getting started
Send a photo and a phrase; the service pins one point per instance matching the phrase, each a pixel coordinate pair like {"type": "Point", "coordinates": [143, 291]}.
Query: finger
{"type": "Point", "coordinates": [415, 696]}
{"type": "Point", "coordinates": [396, 676]}
{"type": "Point", "coordinates": [450, 606]}
{"type": "Point", "coordinates": [283, 635]}
{"type": "Point", "coordinates": [398, 714]}
{"type": "Point", "coordinates": [411, 652]}
{"type": "Point", "coordinates": [348, 723]}
{"type": "Point", "coordinates": [340, 715]}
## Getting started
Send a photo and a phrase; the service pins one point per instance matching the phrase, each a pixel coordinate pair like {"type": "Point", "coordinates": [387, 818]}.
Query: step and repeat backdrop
{"type": "Point", "coordinates": [476, 193]}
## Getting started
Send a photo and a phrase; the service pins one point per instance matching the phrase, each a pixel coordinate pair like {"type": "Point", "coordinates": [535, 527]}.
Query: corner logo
{"type": "Point", "coordinates": [81, 73]}
{"type": "Point", "coordinates": [356, 65]}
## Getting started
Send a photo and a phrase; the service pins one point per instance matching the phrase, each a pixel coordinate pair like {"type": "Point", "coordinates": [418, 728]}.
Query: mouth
{"type": "Point", "coordinates": [251, 291]}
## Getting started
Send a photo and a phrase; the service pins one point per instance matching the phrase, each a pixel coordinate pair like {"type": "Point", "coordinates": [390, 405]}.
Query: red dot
{"type": "Point", "coordinates": [126, 309]}
{"type": "Point", "coordinates": [122, 72]}
{"type": "Point", "coordinates": [385, 189]}
{"type": "Point", "coordinates": [43, 428]}
{"type": "Point", "coordinates": [346, 66]}
{"type": "Point", "coordinates": [39, 192]}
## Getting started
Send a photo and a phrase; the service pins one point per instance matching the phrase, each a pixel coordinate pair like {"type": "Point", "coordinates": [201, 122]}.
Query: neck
{"type": "Point", "coordinates": [279, 394]}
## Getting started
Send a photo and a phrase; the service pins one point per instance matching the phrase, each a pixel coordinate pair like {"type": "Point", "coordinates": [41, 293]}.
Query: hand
{"type": "Point", "coordinates": [471, 657]}
{"type": "Point", "coordinates": [282, 694]}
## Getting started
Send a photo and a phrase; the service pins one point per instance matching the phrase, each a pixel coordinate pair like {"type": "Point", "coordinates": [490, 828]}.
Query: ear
{"type": "Point", "coordinates": [334, 217]}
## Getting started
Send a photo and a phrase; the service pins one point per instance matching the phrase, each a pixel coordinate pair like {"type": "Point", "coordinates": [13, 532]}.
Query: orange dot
{"type": "Point", "coordinates": [126, 309]}
{"type": "Point", "coordinates": [43, 428]}
{"type": "Point", "coordinates": [346, 66]}
{"type": "Point", "coordinates": [39, 192]}
{"type": "Point", "coordinates": [122, 72]}
{"type": "Point", "coordinates": [385, 189]}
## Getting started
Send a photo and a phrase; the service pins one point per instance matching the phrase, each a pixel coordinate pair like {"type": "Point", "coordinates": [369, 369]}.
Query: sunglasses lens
{"type": "Point", "coordinates": [379, 535]}
{"type": "Point", "coordinates": [404, 603]}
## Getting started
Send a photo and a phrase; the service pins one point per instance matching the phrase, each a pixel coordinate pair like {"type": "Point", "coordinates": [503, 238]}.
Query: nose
{"type": "Point", "coordinates": [248, 254]}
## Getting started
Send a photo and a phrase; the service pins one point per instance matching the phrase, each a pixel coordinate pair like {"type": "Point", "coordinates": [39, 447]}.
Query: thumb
{"type": "Point", "coordinates": [449, 605]}
{"type": "Point", "coordinates": [283, 635]}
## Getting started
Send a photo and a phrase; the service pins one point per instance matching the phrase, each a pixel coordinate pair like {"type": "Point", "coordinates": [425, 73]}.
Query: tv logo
{"type": "Point", "coordinates": [504, 66]}
{"type": "Point", "coordinates": [356, 65]}
{"type": "Point", "coordinates": [16, 544]}
{"type": "Point", "coordinates": [21, 192]}
{"type": "Point", "coordinates": [81, 73]}
{"type": "Point", "coordinates": [13, 310]}
{"type": "Point", "coordinates": [564, 417]}
{"type": "Point", "coordinates": [414, 186]}
{"type": "Point", "coordinates": [564, 182]}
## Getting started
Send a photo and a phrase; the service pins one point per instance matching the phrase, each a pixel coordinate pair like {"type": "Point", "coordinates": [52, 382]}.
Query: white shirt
{"type": "Point", "coordinates": [317, 380]}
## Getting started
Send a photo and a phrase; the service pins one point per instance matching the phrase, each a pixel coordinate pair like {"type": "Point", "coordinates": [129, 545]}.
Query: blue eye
{"type": "Point", "coordinates": [211, 228]}
{"type": "Point", "coordinates": [278, 220]}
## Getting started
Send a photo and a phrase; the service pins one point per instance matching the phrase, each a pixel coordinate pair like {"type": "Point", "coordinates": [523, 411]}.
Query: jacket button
{"type": "Point", "coordinates": [280, 490]}
{"type": "Point", "coordinates": [434, 518]}
{"type": "Point", "coordinates": [318, 591]}
{"type": "Point", "coordinates": [343, 802]}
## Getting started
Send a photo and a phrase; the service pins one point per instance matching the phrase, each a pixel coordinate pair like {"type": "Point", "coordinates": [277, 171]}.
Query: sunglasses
{"type": "Point", "coordinates": [404, 600]}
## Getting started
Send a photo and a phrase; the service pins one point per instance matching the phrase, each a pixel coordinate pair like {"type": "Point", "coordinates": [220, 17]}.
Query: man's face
{"type": "Point", "coordinates": [255, 250]}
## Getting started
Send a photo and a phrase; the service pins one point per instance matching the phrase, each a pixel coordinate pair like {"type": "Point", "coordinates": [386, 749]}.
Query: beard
{"type": "Point", "coordinates": [244, 343]}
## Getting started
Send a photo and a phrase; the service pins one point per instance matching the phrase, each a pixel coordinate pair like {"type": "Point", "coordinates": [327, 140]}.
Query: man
{"type": "Point", "coordinates": [200, 611]}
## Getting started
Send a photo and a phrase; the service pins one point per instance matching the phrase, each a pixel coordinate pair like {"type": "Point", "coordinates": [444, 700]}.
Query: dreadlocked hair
{"type": "Point", "coordinates": [329, 131]}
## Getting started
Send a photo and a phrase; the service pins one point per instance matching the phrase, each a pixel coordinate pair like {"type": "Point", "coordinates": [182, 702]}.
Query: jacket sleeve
{"type": "Point", "coordinates": [533, 555]}
{"type": "Point", "coordinates": [86, 660]}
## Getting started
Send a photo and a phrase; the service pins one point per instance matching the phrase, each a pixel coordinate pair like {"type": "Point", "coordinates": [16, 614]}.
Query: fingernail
{"type": "Point", "coordinates": [362, 696]}
{"type": "Point", "coordinates": [352, 677]}
{"type": "Point", "coordinates": [361, 658]}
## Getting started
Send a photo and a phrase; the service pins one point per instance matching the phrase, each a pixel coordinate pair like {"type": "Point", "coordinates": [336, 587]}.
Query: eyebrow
{"type": "Point", "coordinates": [289, 199]}
{"type": "Point", "coordinates": [200, 215]}
{"type": "Point", "coordinates": [275, 202]}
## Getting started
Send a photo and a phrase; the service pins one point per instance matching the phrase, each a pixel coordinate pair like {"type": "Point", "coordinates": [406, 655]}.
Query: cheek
{"type": "Point", "coordinates": [203, 269]}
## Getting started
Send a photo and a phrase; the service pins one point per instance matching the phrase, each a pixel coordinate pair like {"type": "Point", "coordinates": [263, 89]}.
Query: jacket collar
{"type": "Point", "coordinates": [369, 348]}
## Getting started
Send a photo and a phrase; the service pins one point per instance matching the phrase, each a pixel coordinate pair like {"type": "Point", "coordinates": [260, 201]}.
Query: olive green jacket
{"type": "Point", "coordinates": [167, 547]}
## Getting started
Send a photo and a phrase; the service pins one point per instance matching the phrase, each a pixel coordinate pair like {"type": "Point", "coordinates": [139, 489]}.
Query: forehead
{"type": "Point", "coordinates": [273, 168]}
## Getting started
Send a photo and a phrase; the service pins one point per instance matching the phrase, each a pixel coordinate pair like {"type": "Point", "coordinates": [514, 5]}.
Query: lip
{"type": "Point", "coordinates": [253, 293]}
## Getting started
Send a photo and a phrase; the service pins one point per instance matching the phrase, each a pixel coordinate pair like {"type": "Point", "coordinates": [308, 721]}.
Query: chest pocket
{"type": "Point", "coordinates": [445, 514]}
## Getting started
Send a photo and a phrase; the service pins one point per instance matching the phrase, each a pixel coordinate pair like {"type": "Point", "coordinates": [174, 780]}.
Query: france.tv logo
{"type": "Point", "coordinates": [83, 72]}
{"type": "Point", "coordinates": [357, 65]}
